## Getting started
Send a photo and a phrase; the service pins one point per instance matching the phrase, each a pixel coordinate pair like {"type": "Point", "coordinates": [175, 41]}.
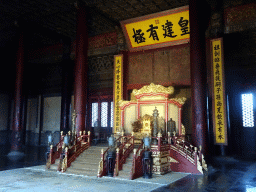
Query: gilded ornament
{"type": "Point", "coordinates": [152, 88]}
{"type": "Point", "coordinates": [100, 168]}
{"type": "Point", "coordinates": [122, 103]}
{"type": "Point", "coordinates": [179, 100]}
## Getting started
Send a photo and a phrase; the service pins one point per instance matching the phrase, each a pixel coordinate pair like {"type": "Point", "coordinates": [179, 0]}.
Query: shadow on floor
{"type": "Point", "coordinates": [225, 174]}
{"type": "Point", "coordinates": [34, 155]}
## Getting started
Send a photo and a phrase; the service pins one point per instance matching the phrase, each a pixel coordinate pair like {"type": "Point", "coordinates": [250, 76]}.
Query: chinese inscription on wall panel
{"type": "Point", "coordinates": [118, 88]}
{"type": "Point", "coordinates": [219, 106]}
{"type": "Point", "coordinates": [158, 30]}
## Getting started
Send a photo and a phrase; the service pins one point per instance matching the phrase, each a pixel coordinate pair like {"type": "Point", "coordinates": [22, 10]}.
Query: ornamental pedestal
{"type": "Point", "coordinates": [161, 165]}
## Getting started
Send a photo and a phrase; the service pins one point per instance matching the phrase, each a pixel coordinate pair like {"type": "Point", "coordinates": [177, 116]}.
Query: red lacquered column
{"type": "Point", "coordinates": [66, 87]}
{"type": "Point", "coordinates": [17, 128]}
{"type": "Point", "coordinates": [81, 68]}
{"type": "Point", "coordinates": [198, 74]}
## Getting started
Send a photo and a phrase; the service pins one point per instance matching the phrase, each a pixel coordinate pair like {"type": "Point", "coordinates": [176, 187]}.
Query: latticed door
{"type": "Point", "coordinates": [102, 119]}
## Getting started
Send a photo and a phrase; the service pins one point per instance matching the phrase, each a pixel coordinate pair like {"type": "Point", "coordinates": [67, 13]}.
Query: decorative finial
{"type": "Point", "coordinates": [159, 134]}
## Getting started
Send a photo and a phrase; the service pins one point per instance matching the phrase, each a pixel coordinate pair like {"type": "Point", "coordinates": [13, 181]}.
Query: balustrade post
{"type": "Point", "coordinates": [200, 153]}
{"type": "Point", "coordinates": [159, 135]}
{"type": "Point", "coordinates": [51, 154]}
{"type": "Point", "coordinates": [101, 169]}
{"type": "Point", "coordinates": [89, 138]}
{"type": "Point", "coordinates": [186, 149]}
{"type": "Point", "coordinates": [65, 160]}
{"type": "Point", "coordinates": [174, 141]}
{"type": "Point", "coordinates": [102, 154]}
{"type": "Point", "coordinates": [195, 156]}
{"type": "Point", "coordinates": [169, 137]}
{"type": "Point", "coordinates": [133, 139]}
{"type": "Point", "coordinates": [134, 156]}
{"type": "Point", "coordinates": [118, 160]}
{"type": "Point", "coordinates": [122, 137]}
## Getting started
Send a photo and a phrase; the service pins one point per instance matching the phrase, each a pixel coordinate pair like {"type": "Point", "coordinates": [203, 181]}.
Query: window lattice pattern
{"type": "Point", "coordinates": [112, 114]}
{"type": "Point", "coordinates": [104, 114]}
{"type": "Point", "coordinates": [94, 113]}
{"type": "Point", "coordinates": [247, 109]}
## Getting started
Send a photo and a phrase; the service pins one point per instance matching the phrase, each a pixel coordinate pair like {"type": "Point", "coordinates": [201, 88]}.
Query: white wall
{"type": "Point", "coordinates": [32, 115]}
{"type": "Point", "coordinates": [51, 114]}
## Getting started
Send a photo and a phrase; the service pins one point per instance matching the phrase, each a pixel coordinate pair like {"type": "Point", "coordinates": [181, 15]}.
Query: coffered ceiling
{"type": "Point", "coordinates": [48, 21]}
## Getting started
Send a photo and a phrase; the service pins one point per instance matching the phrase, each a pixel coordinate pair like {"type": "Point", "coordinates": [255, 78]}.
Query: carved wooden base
{"type": "Point", "coordinates": [161, 164]}
{"type": "Point", "coordinates": [162, 169]}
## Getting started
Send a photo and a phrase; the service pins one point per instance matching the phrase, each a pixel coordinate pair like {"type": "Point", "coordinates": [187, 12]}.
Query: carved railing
{"type": "Point", "coordinates": [80, 144]}
{"type": "Point", "coordinates": [182, 151]}
{"type": "Point", "coordinates": [185, 149]}
{"type": "Point", "coordinates": [55, 152]}
{"type": "Point", "coordinates": [125, 144]}
{"type": "Point", "coordinates": [188, 152]}
{"type": "Point", "coordinates": [137, 169]}
{"type": "Point", "coordinates": [123, 152]}
{"type": "Point", "coordinates": [102, 170]}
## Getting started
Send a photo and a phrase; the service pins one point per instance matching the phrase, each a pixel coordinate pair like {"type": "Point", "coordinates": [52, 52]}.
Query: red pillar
{"type": "Point", "coordinates": [198, 74]}
{"type": "Point", "coordinates": [81, 68]}
{"type": "Point", "coordinates": [66, 87]}
{"type": "Point", "coordinates": [17, 128]}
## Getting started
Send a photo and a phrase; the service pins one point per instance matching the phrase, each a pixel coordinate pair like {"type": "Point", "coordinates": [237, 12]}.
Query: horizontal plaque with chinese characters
{"type": "Point", "coordinates": [118, 90]}
{"type": "Point", "coordinates": [157, 30]}
{"type": "Point", "coordinates": [219, 104]}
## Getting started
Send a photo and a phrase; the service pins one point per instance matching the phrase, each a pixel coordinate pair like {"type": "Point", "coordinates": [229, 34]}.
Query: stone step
{"type": "Point", "coordinates": [90, 153]}
{"type": "Point", "coordinates": [82, 172]}
{"type": "Point", "coordinates": [55, 165]}
{"type": "Point", "coordinates": [127, 166]}
{"type": "Point", "coordinates": [123, 175]}
{"type": "Point", "coordinates": [89, 156]}
{"type": "Point", "coordinates": [88, 159]}
{"type": "Point", "coordinates": [85, 165]}
{"type": "Point", "coordinates": [96, 149]}
{"type": "Point", "coordinates": [84, 168]}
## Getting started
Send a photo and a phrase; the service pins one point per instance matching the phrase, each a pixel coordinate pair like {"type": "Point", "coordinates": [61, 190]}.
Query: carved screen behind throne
{"type": "Point", "coordinates": [144, 102]}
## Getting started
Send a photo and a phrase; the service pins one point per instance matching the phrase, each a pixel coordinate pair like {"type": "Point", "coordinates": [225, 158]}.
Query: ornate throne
{"type": "Point", "coordinates": [143, 102]}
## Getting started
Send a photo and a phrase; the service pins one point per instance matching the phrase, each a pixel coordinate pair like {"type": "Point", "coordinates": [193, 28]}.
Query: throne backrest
{"type": "Point", "coordinates": [146, 122]}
